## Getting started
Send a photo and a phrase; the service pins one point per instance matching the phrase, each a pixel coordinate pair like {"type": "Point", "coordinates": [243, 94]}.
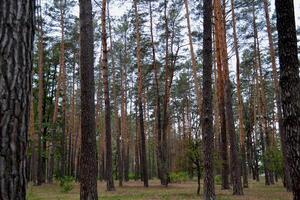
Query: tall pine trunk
{"type": "Point", "coordinates": [287, 178]}
{"type": "Point", "coordinates": [140, 101]}
{"type": "Point", "coordinates": [88, 157]}
{"type": "Point", "coordinates": [15, 86]}
{"type": "Point", "coordinates": [220, 93]}
{"type": "Point", "coordinates": [109, 168]}
{"type": "Point", "coordinates": [207, 125]}
{"type": "Point", "coordinates": [290, 87]}
{"type": "Point", "coordinates": [240, 99]}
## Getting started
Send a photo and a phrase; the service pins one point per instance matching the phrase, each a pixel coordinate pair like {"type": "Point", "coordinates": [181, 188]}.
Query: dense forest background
{"type": "Point", "coordinates": [170, 90]}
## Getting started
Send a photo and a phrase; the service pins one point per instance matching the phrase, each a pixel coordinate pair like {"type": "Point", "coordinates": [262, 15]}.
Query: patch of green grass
{"type": "Point", "coordinates": [133, 190]}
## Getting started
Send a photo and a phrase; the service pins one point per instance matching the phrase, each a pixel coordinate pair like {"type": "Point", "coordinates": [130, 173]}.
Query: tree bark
{"type": "Point", "coordinates": [140, 100]}
{"type": "Point", "coordinates": [207, 125]}
{"type": "Point", "coordinates": [41, 165]}
{"type": "Point", "coordinates": [235, 162]}
{"type": "Point", "coordinates": [240, 99]}
{"type": "Point", "coordinates": [220, 94]}
{"type": "Point", "coordinates": [16, 48]}
{"type": "Point", "coordinates": [88, 157]}
{"type": "Point", "coordinates": [287, 178]}
{"type": "Point", "coordinates": [290, 87]}
{"type": "Point", "coordinates": [109, 174]}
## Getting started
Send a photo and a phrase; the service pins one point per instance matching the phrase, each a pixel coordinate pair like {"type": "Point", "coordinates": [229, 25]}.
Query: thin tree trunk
{"type": "Point", "coordinates": [109, 168]}
{"type": "Point", "coordinates": [240, 100]}
{"type": "Point", "coordinates": [193, 57]}
{"type": "Point", "coordinates": [41, 154]}
{"type": "Point", "coordinates": [140, 100]}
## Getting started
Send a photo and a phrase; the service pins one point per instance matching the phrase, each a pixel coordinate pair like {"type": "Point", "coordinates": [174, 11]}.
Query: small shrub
{"type": "Point", "coordinates": [218, 180]}
{"type": "Point", "coordinates": [66, 183]}
{"type": "Point", "coordinates": [178, 177]}
{"type": "Point", "coordinates": [131, 176]}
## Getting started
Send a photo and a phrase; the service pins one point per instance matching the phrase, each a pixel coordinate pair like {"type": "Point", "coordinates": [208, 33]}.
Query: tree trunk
{"type": "Point", "coordinates": [109, 168]}
{"type": "Point", "coordinates": [158, 109]}
{"type": "Point", "coordinates": [140, 100]}
{"type": "Point", "coordinates": [15, 86]}
{"type": "Point", "coordinates": [290, 87]}
{"type": "Point", "coordinates": [194, 64]}
{"type": "Point", "coordinates": [207, 125]}
{"type": "Point", "coordinates": [240, 100]}
{"type": "Point", "coordinates": [287, 177]}
{"type": "Point", "coordinates": [220, 94]}
{"type": "Point", "coordinates": [163, 144]}
{"type": "Point", "coordinates": [260, 90]}
{"type": "Point", "coordinates": [235, 162]}
{"type": "Point", "coordinates": [88, 157]}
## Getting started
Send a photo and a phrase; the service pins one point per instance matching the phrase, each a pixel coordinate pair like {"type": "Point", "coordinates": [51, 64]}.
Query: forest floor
{"type": "Point", "coordinates": [182, 191]}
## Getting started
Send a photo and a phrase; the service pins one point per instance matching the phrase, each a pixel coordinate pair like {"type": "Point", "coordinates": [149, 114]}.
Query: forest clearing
{"type": "Point", "coordinates": [149, 99]}
{"type": "Point", "coordinates": [180, 191]}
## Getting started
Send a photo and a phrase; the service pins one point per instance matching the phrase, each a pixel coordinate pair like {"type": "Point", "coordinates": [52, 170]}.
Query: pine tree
{"type": "Point", "coordinates": [290, 87]}
{"type": "Point", "coordinates": [207, 124]}
{"type": "Point", "coordinates": [15, 95]}
{"type": "Point", "coordinates": [88, 157]}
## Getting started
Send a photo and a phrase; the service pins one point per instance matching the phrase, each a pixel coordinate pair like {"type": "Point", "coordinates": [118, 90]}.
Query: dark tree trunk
{"type": "Point", "coordinates": [287, 178]}
{"type": "Point", "coordinates": [109, 168]}
{"type": "Point", "coordinates": [140, 102]}
{"type": "Point", "coordinates": [207, 125]}
{"type": "Point", "coordinates": [88, 157]}
{"type": "Point", "coordinates": [290, 87]}
{"type": "Point", "coordinates": [16, 45]}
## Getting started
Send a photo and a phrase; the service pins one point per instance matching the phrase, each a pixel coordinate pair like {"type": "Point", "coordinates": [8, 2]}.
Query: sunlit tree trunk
{"type": "Point", "coordinates": [240, 99]}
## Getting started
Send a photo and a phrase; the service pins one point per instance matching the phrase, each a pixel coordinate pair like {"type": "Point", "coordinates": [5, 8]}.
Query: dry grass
{"type": "Point", "coordinates": [135, 191]}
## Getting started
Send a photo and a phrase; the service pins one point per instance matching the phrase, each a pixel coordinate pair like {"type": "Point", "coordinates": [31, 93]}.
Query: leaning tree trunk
{"type": "Point", "coordinates": [290, 87]}
{"type": "Point", "coordinates": [207, 125]}
{"type": "Point", "coordinates": [16, 45]}
{"type": "Point", "coordinates": [88, 157]}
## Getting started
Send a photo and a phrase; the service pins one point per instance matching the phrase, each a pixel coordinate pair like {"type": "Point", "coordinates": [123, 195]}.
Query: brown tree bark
{"type": "Point", "coordinates": [240, 99]}
{"type": "Point", "coordinates": [109, 174]}
{"type": "Point", "coordinates": [41, 153]}
{"type": "Point", "coordinates": [220, 94]}
{"type": "Point", "coordinates": [290, 87]}
{"type": "Point", "coordinates": [261, 99]}
{"type": "Point", "coordinates": [15, 85]}
{"type": "Point", "coordinates": [207, 124]}
{"type": "Point", "coordinates": [193, 57]}
{"type": "Point", "coordinates": [235, 162]}
{"type": "Point", "coordinates": [88, 157]}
